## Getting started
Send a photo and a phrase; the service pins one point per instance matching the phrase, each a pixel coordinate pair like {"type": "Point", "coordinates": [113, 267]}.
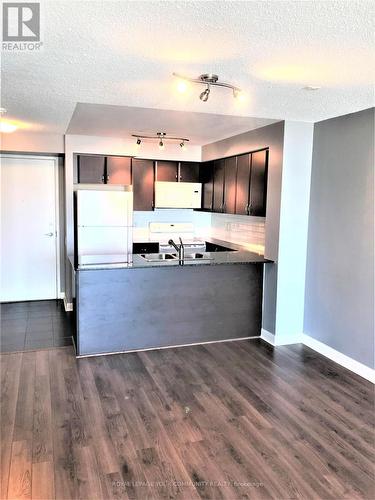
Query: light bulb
{"type": "Point", "coordinates": [205, 95]}
{"type": "Point", "coordinates": [239, 95]}
{"type": "Point", "coordinates": [7, 127]}
{"type": "Point", "coordinates": [161, 144]}
{"type": "Point", "coordinates": [182, 86]}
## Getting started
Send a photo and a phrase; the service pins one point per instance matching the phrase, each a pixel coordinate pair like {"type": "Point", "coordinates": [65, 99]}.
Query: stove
{"type": "Point", "coordinates": [164, 231]}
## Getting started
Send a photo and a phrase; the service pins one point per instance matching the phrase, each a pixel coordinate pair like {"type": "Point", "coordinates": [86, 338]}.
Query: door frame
{"type": "Point", "coordinates": [19, 156]}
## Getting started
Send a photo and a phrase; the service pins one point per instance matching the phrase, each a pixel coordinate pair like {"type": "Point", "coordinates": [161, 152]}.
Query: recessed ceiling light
{"type": "Point", "coordinates": [311, 87]}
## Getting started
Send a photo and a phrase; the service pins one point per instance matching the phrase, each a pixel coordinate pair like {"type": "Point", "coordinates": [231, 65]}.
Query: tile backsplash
{"type": "Point", "coordinates": [241, 229]}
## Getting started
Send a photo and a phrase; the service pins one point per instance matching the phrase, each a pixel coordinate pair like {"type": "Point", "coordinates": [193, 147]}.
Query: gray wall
{"type": "Point", "coordinates": [339, 296]}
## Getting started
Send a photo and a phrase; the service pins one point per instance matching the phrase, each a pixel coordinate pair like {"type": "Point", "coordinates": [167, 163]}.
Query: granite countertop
{"type": "Point", "coordinates": [240, 255]}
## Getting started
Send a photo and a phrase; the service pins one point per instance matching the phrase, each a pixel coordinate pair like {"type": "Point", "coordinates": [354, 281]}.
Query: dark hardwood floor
{"type": "Point", "coordinates": [229, 420]}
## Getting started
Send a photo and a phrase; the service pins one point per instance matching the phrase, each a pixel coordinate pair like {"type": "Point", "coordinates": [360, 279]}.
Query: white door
{"type": "Point", "coordinates": [28, 229]}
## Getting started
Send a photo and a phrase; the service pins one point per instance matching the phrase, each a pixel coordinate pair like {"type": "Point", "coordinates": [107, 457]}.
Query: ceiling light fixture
{"type": "Point", "coordinates": [205, 94]}
{"type": "Point", "coordinates": [209, 79]}
{"type": "Point", "coordinates": [161, 137]}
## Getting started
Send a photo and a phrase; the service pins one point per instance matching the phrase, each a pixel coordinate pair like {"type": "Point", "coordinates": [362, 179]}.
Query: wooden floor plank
{"type": "Point", "coordinates": [20, 470]}
{"type": "Point", "coordinates": [232, 420]}
{"type": "Point", "coordinates": [43, 484]}
{"type": "Point", "coordinates": [10, 365]}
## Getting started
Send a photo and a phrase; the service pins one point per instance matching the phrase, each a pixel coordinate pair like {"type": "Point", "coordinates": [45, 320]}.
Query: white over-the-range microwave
{"type": "Point", "coordinates": [178, 194]}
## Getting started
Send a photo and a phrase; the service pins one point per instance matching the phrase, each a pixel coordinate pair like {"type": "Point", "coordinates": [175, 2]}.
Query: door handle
{"type": "Point", "coordinates": [48, 234]}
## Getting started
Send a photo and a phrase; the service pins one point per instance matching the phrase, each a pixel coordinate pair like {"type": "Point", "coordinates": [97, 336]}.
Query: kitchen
{"type": "Point", "coordinates": [160, 314]}
{"type": "Point", "coordinates": [186, 251]}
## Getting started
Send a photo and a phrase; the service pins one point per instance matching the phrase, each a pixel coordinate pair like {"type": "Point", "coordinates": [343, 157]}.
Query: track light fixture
{"type": "Point", "coordinates": [205, 94]}
{"type": "Point", "coordinates": [208, 79]}
{"type": "Point", "coordinates": [161, 137]}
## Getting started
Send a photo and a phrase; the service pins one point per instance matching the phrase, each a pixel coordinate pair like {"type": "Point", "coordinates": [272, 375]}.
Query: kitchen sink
{"type": "Point", "coordinates": [197, 256]}
{"type": "Point", "coordinates": [160, 257]}
{"type": "Point", "coordinates": [157, 257]}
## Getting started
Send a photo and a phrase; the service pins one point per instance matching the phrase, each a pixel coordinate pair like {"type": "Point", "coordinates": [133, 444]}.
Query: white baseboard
{"type": "Point", "coordinates": [267, 336]}
{"type": "Point", "coordinates": [336, 356]}
{"type": "Point", "coordinates": [68, 306]}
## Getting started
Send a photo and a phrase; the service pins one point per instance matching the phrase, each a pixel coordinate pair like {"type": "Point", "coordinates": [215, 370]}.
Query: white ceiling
{"type": "Point", "coordinates": [124, 52]}
{"type": "Point", "coordinates": [123, 121]}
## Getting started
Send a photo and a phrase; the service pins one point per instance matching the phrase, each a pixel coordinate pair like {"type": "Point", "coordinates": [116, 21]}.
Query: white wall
{"type": "Point", "coordinates": [32, 142]}
{"type": "Point", "coordinates": [294, 218]}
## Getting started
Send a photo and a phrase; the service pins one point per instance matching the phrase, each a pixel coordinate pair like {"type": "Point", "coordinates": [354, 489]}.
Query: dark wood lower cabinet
{"type": "Point", "coordinates": [143, 184]}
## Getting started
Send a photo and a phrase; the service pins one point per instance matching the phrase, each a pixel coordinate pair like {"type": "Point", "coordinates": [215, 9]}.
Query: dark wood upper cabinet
{"type": "Point", "coordinates": [90, 169]}
{"type": "Point", "coordinates": [119, 170]}
{"type": "Point", "coordinates": [206, 178]}
{"type": "Point", "coordinates": [230, 177]}
{"type": "Point", "coordinates": [258, 183]}
{"type": "Point", "coordinates": [166, 171]}
{"type": "Point", "coordinates": [143, 184]}
{"type": "Point", "coordinates": [218, 195]}
{"type": "Point", "coordinates": [243, 184]}
{"type": "Point", "coordinates": [189, 171]}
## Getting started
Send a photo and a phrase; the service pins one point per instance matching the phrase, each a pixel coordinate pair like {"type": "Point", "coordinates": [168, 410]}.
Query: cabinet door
{"type": "Point", "coordinates": [166, 171]}
{"type": "Point", "coordinates": [230, 177]}
{"type": "Point", "coordinates": [206, 177]}
{"type": "Point", "coordinates": [258, 183]}
{"type": "Point", "coordinates": [119, 170]}
{"type": "Point", "coordinates": [243, 184]}
{"type": "Point", "coordinates": [189, 171]}
{"type": "Point", "coordinates": [218, 197]}
{"type": "Point", "coordinates": [143, 184]}
{"type": "Point", "coordinates": [90, 169]}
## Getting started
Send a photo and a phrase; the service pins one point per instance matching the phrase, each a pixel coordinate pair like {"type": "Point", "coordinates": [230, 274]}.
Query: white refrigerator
{"type": "Point", "coordinates": [104, 216]}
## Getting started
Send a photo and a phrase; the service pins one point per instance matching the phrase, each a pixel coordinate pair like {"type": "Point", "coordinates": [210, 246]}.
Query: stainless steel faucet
{"type": "Point", "coordinates": [180, 250]}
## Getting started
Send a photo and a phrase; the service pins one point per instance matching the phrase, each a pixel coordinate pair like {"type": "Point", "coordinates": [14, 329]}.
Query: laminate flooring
{"type": "Point", "coordinates": [221, 421]}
